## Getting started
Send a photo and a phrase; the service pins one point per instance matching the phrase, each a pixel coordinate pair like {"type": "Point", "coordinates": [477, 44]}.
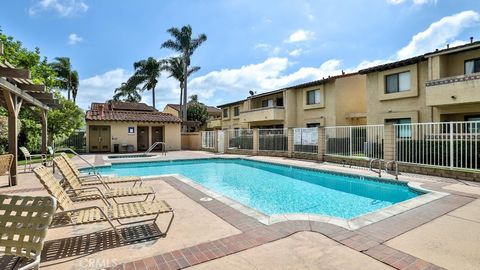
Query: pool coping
{"type": "Point", "coordinates": [349, 224]}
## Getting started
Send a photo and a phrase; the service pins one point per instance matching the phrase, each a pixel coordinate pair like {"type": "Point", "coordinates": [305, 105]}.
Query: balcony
{"type": "Point", "coordinates": [453, 90]}
{"type": "Point", "coordinates": [263, 114]}
{"type": "Point", "coordinates": [214, 124]}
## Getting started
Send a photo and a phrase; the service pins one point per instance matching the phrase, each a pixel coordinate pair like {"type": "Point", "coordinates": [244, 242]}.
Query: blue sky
{"type": "Point", "coordinates": [252, 45]}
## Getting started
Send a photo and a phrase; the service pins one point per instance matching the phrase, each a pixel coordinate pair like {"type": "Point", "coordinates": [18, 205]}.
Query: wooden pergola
{"type": "Point", "coordinates": [17, 90]}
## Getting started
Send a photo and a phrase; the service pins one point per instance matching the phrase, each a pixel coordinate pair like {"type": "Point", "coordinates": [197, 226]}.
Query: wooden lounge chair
{"type": "Point", "coordinates": [28, 158]}
{"type": "Point", "coordinates": [5, 165]}
{"type": "Point", "coordinates": [24, 221]}
{"type": "Point", "coordinates": [71, 215]}
{"type": "Point", "coordinates": [97, 179]}
{"type": "Point", "coordinates": [80, 192]}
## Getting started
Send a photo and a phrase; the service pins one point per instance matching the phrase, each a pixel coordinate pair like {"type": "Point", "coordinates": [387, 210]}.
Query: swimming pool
{"type": "Point", "coordinates": [279, 189]}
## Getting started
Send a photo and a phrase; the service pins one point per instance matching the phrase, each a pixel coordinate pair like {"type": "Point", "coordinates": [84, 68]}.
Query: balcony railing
{"type": "Point", "coordinates": [264, 114]}
{"type": "Point", "coordinates": [453, 90]}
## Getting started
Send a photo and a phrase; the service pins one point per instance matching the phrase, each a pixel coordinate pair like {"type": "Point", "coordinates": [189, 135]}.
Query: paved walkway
{"type": "Point", "coordinates": [211, 235]}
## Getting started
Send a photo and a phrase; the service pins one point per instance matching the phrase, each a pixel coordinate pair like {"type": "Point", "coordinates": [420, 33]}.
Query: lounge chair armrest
{"type": "Point", "coordinates": [31, 265]}
{"type": "Point", "coordinates": [86, 208]}
{"type": "Point", "coordinates": [39, 155]}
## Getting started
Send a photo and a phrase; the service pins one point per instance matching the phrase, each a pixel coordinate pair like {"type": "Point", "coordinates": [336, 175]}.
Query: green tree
{"type": "Point", "coordinates": [146, 73]}
{"type": "Point", "coordinates": [63, 122]}
{"type": "Point", "coordinates": [174, 66]}
{"type": "Point", "coordinates": [67, 77]}
{"type": "Point", "coordinates": [183, 43]}
{"type": "Point", "coordinates": [127, 93]}
{"type": "Point", "coordinates": [197, 111]}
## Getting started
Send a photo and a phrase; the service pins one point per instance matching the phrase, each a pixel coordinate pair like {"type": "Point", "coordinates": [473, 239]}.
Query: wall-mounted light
{"type": "Point", "coordinates": [453, 97]}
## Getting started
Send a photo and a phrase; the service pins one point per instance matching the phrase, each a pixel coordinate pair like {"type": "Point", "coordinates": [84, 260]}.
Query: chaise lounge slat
{"type": "Point", "coordinates": [78, 190]}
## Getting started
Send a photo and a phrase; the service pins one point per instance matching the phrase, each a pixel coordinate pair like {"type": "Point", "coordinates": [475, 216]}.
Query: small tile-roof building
{"type": "Point", "coordinates": [122, 126]}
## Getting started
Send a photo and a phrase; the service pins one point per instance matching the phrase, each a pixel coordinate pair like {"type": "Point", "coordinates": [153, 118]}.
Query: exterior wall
{"type": "Point", "coordinates": [408, 104]}
{"type": "Point", "coordinates": [231, 121]}
{"type": "Point", "coordinates": [171, 111]}
{"type": "Point", "coordinates": [323, 113]}
{"type": "Point", "coordinates": [119, 133]}
{"type": "Point", "coordinates": [191, 141]}
{"type": "Point", "coordinates": [351, 100]}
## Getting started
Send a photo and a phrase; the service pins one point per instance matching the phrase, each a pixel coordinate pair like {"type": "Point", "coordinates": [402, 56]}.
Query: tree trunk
{"type": "Point", "coordinates": [180, 113]}
{"type": "Point", "coordinates": [153, 97]}
{"type": "Point", "coordinates": [68, 94]}
{"type": "Point", "coordinates": [185, 77]}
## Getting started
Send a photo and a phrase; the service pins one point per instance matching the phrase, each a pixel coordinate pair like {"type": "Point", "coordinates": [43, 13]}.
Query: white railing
{"type": "Point", "coordinates": [208, 139]}
{"type": "Point", "coordinates": [305, 140]}
{"type": "Point", "coordinates": [240, 139]}
{"type": "Point", "coordinates": [452, 144]}
{"type": "Point", "coordinates": [355, 141]}
{"type": "Point", "coordinates": [275, 139]}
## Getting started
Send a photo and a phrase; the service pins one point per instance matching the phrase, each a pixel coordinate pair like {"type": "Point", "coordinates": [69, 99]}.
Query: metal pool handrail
{"type": "Point", "coordinates": [164, 148]}
{"type": "Point", "coordinates": [395, 166]}
{"type": "Point", "coordinates": [76, 154]}
{"type": "Point", "coordinates": [379, 166]}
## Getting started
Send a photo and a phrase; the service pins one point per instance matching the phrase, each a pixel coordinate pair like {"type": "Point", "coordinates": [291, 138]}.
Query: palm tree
{"type": "Point", "coordinates": [146, 73]}
{"type": "Point", "coordinates": [183, 43]}
{"type": "Point", "coordinates": [67, 77]}
{"type": "Point", "coordinates": [174, 66]}
{"type": "Point", "coordinates": [127, 93]}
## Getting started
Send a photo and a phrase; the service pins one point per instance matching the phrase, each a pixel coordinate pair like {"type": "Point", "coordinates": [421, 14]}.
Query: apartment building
{"type": "Point", "coordinates": [333, 101]}
{"type": "Point", "coordinates": [443, 85]}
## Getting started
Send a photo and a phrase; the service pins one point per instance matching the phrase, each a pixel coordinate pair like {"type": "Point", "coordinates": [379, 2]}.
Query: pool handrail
{"type": "Point", "coordinates": [379, 166]}
{"type": "Point", "coordinates": [76, 154]}
{"type": "Point", "coordinates": [164, 148]}
{"type": "Point", "coordinates": [395, 164]}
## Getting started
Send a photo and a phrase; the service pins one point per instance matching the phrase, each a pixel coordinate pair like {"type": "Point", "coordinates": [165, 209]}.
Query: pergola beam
{"type": "Point", "coordinates": [42, 96]}
{"type": "Point", "coordinates": [22, 94]}
{"type": "Point", "coordinates": [14, 72]}
{"type": "Point", "coordinates": [32, 87]}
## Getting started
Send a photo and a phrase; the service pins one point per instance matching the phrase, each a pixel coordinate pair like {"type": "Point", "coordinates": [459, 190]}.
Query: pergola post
{"type": "Point", "coordinates": [13, 106]}
{"type": "Point", "coordinates": [44, 132]}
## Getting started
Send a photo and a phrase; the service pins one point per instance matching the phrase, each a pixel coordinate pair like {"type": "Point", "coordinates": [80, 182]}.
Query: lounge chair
{"type": "Point", "coordinates": [24, 221]}
{"type": "Point", "coordinates": [5, 165]}
{"type": "Point", "coordinates": [70, 214]}
{"type": "Point", "coordinates": [28, 158]}
{"type": "Point", "coordinates": [80, 192]}
{"type": "Point", "coordinates": [97, 179]}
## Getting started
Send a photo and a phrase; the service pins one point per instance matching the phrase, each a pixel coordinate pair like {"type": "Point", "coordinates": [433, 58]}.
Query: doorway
{"type": "Point", "coordinates": [99, 138]}
{"type": "Point", "coordinates": [142, 139]}
{"type": "Point", "coordinates": [157, 136]}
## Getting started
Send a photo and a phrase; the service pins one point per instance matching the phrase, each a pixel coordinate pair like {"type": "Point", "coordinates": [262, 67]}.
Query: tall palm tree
{"type": "Point", "coordinates": [146, 73]}
{"type": "Point", "coordinates": [174, 66]}
{"type": "Point", "coordinates": [183, 43]}
{"type": "Point", "coordinates": [127, 93]}
{"type": "Point", "coordinates": [67, 77]}
{"type": "Point", "coordinates": [74, 85]}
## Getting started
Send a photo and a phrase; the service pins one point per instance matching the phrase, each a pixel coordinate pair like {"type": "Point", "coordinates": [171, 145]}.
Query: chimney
{"type": "Point", "coordinates": [448, 46]}
{"type": "Point", "coordinates": [471, 39]}
{"type": "Point", "coordinates": [343, 72]}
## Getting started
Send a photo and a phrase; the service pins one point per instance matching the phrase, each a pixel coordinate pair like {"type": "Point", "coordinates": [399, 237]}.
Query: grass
{"type": "Point", "coordinates": [39, 160]}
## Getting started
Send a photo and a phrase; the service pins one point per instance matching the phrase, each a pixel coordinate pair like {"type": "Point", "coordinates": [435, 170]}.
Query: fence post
{"type": "Point", "coordinates": [290, 142]}
{"type": "Point", "coordinates": [389, 142]}
{"type": "Point", "coordinates": [321, 143]}
{"type": "Point", "coordinates": [256, 140]}
{"type": "Point", "coordinates": [451, 145]}
{"type": "Point", "coordinates": [215, 141]}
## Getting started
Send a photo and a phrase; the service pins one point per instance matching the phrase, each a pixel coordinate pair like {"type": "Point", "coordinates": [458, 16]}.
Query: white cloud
{"type": "Point", "coordinates": [271, 50]}
{"type": "Point", "coordinates": [296, 52]}
{"type": "Point", "coordinates": [74, 39]}
{"type": "Point", "coordinates": [439, 33]}
{"type": "Point", "coordinates": [99, 88]}
{"type": "Point", "coordinates": [62, 7]}
{"type": "Point", "coordinates": [300, 35]}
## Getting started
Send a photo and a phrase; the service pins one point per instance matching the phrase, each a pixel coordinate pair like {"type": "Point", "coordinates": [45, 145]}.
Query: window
{"type": "Point", "coordinates": [280, 101]}
{"type": "Point", "coordinates": [472, 66]}
{"type": "Point", "coordinates": [398, 82]}
{"type": "Point", "coordinates": [403, 131]}
{"type": "Point", "coordinates": [267, 103]}
{"type": "Point", "coordinates": [312, 125]}
{"type": "Point", "coordinates": [313, 97]}
{"type": "Point", "coordinates": [225, 113]}
{"type": "Point", "coordinates": [473, 127]}
{"type": "Point", "coordinates": [236, 111]}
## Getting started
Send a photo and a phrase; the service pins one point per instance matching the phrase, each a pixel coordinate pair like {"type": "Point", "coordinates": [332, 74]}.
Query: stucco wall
{"type": "Point", "coordinates": [171, 111]}
{"type": "Point", "coordinates": [119, 133]}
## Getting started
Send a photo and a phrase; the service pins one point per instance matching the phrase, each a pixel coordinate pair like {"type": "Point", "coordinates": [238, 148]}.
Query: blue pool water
{"type": "Point", "coordinates": [275, 189]}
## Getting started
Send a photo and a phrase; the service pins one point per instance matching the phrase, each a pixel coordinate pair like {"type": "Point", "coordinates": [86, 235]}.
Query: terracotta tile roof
{"type": "Point", "coordinates": [131, 112]}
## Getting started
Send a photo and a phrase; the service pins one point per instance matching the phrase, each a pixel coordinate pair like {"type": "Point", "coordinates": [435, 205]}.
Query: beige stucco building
{"type": "Point", "coordinates": [214, 115]}
{"type": "Point", "coordinates": [333, 101]}
{"type": "Point", "coordinates": [443, 85]}
{"type": "Point", "coordinates": [130, 126]}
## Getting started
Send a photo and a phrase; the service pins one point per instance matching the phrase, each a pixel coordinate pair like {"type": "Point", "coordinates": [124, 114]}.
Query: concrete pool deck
{"type": "Point", "coordinates": [212, 235]}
